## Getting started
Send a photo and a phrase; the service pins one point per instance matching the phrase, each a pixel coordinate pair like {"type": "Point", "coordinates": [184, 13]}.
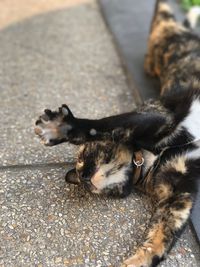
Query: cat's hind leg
{"type": "Point", "coordinates": [168, 220]}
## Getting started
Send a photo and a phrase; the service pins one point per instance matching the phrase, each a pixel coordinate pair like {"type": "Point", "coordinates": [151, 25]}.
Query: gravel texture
{"type": "Point", "coordinates": [65, 56]}
{"type": "Point", "coordinates": [45, 222]}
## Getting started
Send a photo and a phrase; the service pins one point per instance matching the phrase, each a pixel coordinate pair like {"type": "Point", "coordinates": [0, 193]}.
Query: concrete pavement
{"type": "Point", "coordinates": [49, 57]}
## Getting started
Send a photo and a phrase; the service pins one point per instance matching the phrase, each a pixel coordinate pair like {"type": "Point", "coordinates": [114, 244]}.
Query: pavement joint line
{"type": "Point", "coordinates": [37, 166]}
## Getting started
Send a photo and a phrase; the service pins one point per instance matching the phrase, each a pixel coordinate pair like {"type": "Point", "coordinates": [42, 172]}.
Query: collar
{"type": "Point", "coordinates": [138, 161]}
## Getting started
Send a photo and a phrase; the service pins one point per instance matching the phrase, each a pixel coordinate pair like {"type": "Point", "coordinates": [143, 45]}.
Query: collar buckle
{"type": "Point", "coordinates": [139, 163]}
{"type": "Point", "coordinates": [139, 160]}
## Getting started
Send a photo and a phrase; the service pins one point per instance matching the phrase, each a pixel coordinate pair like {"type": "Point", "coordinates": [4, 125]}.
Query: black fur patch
{"type": "Point", "coordinates": [155, 261]}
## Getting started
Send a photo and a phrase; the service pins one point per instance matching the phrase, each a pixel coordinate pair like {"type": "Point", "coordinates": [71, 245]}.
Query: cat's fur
{"type": "Point", "coordinates": [165, 133]}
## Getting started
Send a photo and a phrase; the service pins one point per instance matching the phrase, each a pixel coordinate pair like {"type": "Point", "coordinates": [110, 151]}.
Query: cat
{"type": "Point", "coordinates": [155, 148]}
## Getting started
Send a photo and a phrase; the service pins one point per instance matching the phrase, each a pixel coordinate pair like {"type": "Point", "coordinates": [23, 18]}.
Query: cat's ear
{"type": "Point", "coordinates": [72, 177]}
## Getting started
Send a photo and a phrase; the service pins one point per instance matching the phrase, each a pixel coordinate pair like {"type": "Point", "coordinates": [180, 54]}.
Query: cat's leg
{"type": "Point", "coordinates": [168, 220]}
{"type": "Point", "coordinates": [54, 127]}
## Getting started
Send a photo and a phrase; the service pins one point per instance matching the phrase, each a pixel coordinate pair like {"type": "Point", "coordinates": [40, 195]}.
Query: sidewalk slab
{"type": "Point", "coordinates": [64, 56]}
{"type": "Point", "coordinates": [47, 223]}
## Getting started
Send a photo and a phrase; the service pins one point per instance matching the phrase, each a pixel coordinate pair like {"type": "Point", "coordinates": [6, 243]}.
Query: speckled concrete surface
{"type": "Point", "coordinates": [65, 56]}
{"type": "Point", "coordinates": [43, 221]}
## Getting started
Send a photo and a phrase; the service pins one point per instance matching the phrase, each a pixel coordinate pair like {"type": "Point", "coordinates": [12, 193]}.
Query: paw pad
{"type": "Point", "coordinates": [53, 126]}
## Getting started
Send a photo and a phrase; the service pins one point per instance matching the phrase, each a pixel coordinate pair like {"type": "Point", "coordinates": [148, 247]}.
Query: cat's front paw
{"type": "Point", "coordinates": [53, 127]}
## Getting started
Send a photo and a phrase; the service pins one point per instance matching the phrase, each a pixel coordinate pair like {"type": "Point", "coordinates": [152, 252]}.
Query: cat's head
{"type": "Point", "coordinates": [103, 167]}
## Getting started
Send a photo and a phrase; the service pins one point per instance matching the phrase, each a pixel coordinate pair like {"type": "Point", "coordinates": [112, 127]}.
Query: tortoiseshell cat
{"type": "Point", "coordinates": [155, 148]}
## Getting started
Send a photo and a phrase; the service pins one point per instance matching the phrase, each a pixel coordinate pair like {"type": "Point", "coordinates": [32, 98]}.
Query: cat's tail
{"type": "Point", "coordinates": [192, 17]}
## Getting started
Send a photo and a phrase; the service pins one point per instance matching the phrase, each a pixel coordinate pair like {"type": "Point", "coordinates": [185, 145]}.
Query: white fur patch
{"type": "Point", "coordinates": [93, 132]}
{"type": "Point", "coordinates": [192, 121]}
{"type": "Point", "coordinates": [193, 15]}
{"type": "Point", "coordinates": [192, 124]}
{"type": "Point", "coordinates": [101, 182]}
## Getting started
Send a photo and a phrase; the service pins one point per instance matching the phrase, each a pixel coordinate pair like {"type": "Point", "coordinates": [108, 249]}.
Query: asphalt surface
{"type": "Point", "coordinates": [60, 56]}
